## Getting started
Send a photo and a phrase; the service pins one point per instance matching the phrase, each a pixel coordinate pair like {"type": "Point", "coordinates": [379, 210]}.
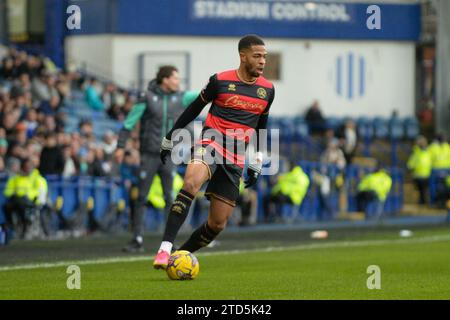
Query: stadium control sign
{"type": "Point", "coordinates": [270, 10]}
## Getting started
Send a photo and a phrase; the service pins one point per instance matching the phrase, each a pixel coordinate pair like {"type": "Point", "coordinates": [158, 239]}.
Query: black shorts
{"type": "Point", "coordinates": [224, 178]}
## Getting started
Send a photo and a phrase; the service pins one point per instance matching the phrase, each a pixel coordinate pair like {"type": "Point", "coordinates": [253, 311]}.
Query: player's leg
{"type": "Point", "coordinates": [222, 191]}
{"type": "Point", "coordinates": [219, 213]}
{"type": "Point", "coordinates": [197, 173]}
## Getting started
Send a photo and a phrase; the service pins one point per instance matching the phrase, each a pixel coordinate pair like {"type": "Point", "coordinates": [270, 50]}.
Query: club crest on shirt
{"type": "Point", "coordinates": [231, 87]}
{"type": "Point", "coordinates": [262, 93]}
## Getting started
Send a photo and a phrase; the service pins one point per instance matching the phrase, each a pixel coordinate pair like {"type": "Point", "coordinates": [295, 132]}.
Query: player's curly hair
{"type": "Point", "coordinates": [250, 40]}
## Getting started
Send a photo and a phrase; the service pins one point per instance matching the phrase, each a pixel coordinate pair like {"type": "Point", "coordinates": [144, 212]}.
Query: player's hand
{"type": "Point", "coordinates": [254, 171]}
{"type": "Point", "coordinates": [119, 154]}
{"type": "Point", "coordinates": [165, 150]}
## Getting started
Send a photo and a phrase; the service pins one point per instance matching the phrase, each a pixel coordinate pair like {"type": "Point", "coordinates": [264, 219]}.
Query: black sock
{"type": "Point", "coordinates": [178, 213]}
{"type": "Point", "coordinates": [200, 238]}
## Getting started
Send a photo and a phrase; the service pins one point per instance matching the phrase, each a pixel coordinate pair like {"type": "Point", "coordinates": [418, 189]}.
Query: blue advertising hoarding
{"type": "Point", "coordinates": [268, 18]}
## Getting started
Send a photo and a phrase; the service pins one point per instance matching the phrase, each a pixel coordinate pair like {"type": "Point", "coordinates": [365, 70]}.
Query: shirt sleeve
{"type": "Point", "coordinates": [209, 92]}
{"type": "Point", "coordinates": [189, 97]}
{"type": "Point", "coordinates": [262, 122]}
{"type": "Point", "coordinates": [134, 116]}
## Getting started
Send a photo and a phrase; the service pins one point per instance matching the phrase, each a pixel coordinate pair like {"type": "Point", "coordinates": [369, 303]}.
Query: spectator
{"type": "Point", "coordinates": [129, 169]}
{"type": "Point", "coordinates": [316, 122]}
{"type": "Point", "coordinates": [109, 143]}
{"type": "Point", "coordinates": [86, 160]}
{"type": "Point", "coordinates": [69, 164]}
{"type": "Point", "coordinates": [373, 189]}
{"type": "Point", "coordinates": [247, 202]}
{"type": "Point", "coordinates": [63, 88]}
{"type": "Point", "coordinates": [116, 112]}
{"type": "Point", "coordinates": [20, 196]}
{"type": "Point", "coordinates": [34, 67]}
{"type": "Point", "coordinates": [420, 163]}
{"type": "Point", "coordinates": [100, 166]}
{"type": "Point", "coordinates": [333, 155]}
{"type": "Point", "coordinates": [12, 166]}
{"type": "Point", "coordinates": [93, 97]}
{"type": "Point", "coordinates": [290, 188]}
{"type": "Point", "coordinates": [2, 166]}
{"type": "Point", "coordinates": [109, 96]}
{"type": "Point", "coordinates": [440, 152]}
{"type": "Point", "coordinates": [10, 119]}
{"type": "Point", "coordinates": [86, 128]}
{"type": "Point", "coordinates": [43, 88]}
{"type": "Point", "coordinates": [21, 86]}
{"type": "Point", "coordinates": [50, 107]}
{"type": "Point", "coordinates": [31, 122]}
{"type": "Point", "coordinates": [52, 158]}
{"type": "Point", "coordinates": [7, 71]}
{"type": "Point", "coordinates": [3, 147]}
{"type": "Point", "coordinates": [348, 140]}
{"type": "Point", "coordinates": [323, 181]}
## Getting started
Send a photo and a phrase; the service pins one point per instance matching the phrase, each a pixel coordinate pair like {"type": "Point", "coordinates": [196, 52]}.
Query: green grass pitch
{"type": "Point", "coordinates": [411, 268]}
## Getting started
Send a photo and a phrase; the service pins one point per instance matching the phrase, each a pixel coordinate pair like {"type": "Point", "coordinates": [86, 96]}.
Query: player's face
{"type": "Point", "coordinates": [254, 60]}
{"type": "Point", "coordinates": [172, 83]}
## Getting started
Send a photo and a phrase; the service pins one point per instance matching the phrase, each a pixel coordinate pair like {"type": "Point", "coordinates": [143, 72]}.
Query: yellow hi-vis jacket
{"type": "Point", "coordinates": [420, 163]}
{"type": "Point", "coordinates": [40, 187]}
{"type": "Point", "coordinates": [379, 182]}
{"type": "Point", "coordinates": [32, 186]}
{"type": "Point", "coordinates": [440, 155]}
{"type": "Point", "coordinates": [294, 184]}
{"type": "Point", "coordinates": [156, 195]}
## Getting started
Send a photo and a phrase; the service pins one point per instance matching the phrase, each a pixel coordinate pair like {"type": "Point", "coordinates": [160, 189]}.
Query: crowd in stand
{"type": "Point", "coordinates": [32, 94]}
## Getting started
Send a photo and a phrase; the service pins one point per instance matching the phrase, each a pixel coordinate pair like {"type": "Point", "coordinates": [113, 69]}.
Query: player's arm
{"type": "Point", "coordinates": [264, 117]}
{"type": "Point", "coordinates": [189, 114]}
{"type": "Point", "coordinates": [255, 166]}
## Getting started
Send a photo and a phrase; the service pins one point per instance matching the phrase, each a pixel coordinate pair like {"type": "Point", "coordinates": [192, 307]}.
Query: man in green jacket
{"type": "Point", "coordinates": [156, 111]}
{"type": "Point", "coordinates": [420, 163]}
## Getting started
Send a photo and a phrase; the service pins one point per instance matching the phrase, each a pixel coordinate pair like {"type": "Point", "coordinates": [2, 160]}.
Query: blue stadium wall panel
{"type": "Point", "coordinates": [269, 18]}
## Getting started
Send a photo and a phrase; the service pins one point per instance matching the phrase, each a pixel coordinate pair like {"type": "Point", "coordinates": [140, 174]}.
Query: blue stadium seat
{"type": "Point", "coordinates": [396, 131]}
{"type": "Point", "coordinates": [69, 192]}
{"type": "Point", "coordinates": [365, 128]}
{"type": "Point", "coordinates": [381, 127]}
{"type": "Point", "coordinates": [54, 187]}
{"type": "Point", "coordinates": [334, 123]}
{"type": "Point", "coordinates": [102, 197]}
{"type": "Point", "coordinates": [301, 129]}
{"type": "Point", "coordinates": [412, 129]}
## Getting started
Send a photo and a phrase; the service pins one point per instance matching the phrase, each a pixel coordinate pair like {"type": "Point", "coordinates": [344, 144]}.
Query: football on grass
{"type": "Point", "coordinates": [182, 265]}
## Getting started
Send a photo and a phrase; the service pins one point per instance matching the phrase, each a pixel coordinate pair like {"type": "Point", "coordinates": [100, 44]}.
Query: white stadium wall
{"type": "Point", "coordinates": [354, 78]}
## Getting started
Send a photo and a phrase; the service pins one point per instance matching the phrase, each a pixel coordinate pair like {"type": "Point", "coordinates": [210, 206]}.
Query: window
{"type": "Point", "coordinates": [272, 70]}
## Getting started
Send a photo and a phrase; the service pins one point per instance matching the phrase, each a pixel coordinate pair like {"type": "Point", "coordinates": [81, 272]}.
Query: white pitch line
{"type": "Point", "coordinates": [312, 246]}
